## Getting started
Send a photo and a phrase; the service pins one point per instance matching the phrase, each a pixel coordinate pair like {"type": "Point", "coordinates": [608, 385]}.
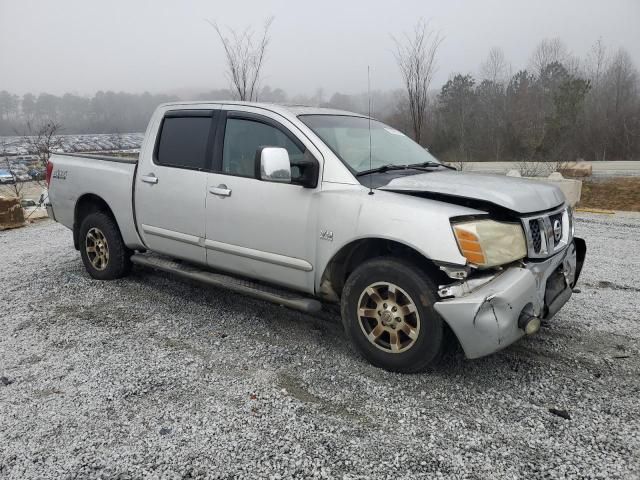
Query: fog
{"type": "Point", "coordinates": [166, 46]}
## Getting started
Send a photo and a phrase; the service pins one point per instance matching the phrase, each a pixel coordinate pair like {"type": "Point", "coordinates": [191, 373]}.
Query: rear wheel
{"type": "Point", "coordinates": [388, 314]}
{"type": "Point", "coordinates": [104, 254]}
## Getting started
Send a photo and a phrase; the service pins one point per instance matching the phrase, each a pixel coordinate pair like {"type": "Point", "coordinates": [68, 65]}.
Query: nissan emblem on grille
{"type": "Point", "coordinates": [557, 230]}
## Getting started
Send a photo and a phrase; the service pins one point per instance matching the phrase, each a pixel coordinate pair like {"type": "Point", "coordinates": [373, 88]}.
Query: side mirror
{"type": "Point", "coordinates": [273, 165]}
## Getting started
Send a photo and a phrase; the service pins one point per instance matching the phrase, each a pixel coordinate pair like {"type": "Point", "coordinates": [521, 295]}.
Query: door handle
{"type": "Point", "coordinates": [221, 190]}
{"type": "Point", "coordinates": [151, 178]}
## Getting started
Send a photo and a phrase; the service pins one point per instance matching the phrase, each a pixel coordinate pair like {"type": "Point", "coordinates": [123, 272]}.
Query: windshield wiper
{"type": "Point", "coordinates": [382, 169]}
{"type": "Point", "coordinates": [431, 164]}
{"type": "Point", "coordinates": [424, 166]}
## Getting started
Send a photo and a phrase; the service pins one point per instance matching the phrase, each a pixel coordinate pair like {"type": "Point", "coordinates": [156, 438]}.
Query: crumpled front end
{"type": "Point", "coordinates": [492, 315]}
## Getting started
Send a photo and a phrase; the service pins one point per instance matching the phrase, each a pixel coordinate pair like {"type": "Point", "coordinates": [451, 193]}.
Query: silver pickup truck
{"type": "Point", "coordinates": [303, 206]}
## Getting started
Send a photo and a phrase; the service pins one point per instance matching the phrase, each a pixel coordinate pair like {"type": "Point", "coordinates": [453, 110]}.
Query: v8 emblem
{"type": "Point", "coordinates": [326, 235]}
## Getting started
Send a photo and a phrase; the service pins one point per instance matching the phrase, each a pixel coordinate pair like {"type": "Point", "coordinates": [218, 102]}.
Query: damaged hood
{"type": "Point", "coordinates": [516, 194]}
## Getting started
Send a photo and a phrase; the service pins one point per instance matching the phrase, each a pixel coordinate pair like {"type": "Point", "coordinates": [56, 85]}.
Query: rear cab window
{"type": "Point", "coordinates": [185, 139]}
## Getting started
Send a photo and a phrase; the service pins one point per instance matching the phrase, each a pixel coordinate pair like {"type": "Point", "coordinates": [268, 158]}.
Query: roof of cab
{"type": "Point", "coordinates": [294, 110]}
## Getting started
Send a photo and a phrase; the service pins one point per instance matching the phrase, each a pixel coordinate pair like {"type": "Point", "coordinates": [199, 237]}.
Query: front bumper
{"type": "Point", "coordinates": [486, 319]}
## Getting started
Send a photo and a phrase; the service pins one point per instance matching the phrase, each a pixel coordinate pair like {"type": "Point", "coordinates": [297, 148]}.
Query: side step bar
{"type": "Point", "coordinates": [245, 287]}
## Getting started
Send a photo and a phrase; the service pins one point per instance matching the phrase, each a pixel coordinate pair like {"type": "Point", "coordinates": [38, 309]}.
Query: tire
{"type": "Point", "coordinates": [103, 252]}
{"type": "Point", "coordinates": [419, 334]}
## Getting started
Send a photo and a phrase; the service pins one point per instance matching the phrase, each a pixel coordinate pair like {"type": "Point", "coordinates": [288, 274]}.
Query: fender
{"type": "Point", "coordinates": [418, 223]}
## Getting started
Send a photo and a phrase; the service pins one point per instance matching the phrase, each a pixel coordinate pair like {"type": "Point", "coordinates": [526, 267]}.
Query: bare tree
{"type": "Point", "coordinates": [596, 63]}
{"type": "Point", "coordinates": [42, 138]}
{"type": "Point", "coordinates": [623, 86]}
{"type": "Point", "coordinates": [496, 68]}
{"type": "Point", "coordinates": [491, 106]}
{"type": "Point", "coordinates": [548, 51]}
{"type": "Point", "coordinates": [245, 57]}
{"type": "Point", "coordinates": [416, 54]}
{"type": "Point", "coordinates": [596, 128]}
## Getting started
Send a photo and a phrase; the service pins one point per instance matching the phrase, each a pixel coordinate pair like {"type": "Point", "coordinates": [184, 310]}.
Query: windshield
{"type": "Point", "coordinates": [348, 137]}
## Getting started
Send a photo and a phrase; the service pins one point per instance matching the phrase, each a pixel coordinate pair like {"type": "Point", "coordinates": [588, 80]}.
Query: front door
{"type": "Point", "coordinates": [171, 185]}
{"type": "Point", "coordinates": [255, 228]}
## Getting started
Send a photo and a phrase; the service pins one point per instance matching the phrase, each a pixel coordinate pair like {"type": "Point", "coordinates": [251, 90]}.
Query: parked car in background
{"type": "Point", "coordinates": [299, 205]}
{"type": "Point", "coordinates": [6, 177]}
{"type": "Point", "coordinates": [36, 174]}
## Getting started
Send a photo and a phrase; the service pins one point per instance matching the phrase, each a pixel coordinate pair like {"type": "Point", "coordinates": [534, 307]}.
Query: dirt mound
{"type": "Point", "coordinates": [11, 213]}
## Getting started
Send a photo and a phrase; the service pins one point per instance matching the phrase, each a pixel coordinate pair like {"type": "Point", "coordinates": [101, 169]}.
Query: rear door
{"type": "Point", "coordinates": [171, 184]}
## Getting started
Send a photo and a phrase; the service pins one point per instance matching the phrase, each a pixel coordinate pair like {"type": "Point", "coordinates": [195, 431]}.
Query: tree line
{"type": "Point", "coordinates": [105, 112]}
{"type": "Point", "coordinates": [559, 108]}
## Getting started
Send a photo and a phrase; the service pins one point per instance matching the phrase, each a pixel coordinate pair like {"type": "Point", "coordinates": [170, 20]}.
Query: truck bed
{"type": "Point", "coordinates": [110, 178]}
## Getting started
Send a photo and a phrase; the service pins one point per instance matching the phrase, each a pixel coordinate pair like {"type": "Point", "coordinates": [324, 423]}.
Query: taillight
{"type": "Point", "coordinates": [49, 170]}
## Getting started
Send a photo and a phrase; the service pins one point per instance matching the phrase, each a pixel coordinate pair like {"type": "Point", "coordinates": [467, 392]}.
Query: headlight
{"type": "Point", "coordinates": [487, 243]}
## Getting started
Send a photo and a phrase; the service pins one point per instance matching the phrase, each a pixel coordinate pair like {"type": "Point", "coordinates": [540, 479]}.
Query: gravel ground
{"type": "Point", "coordinates": [154, 377]}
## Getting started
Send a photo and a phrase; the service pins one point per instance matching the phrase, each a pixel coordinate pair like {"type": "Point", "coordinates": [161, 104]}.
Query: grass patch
{"type": "Point", "coordinates": [622, 193]}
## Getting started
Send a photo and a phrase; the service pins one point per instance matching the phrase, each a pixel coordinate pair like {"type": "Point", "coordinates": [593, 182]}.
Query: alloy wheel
{"type": "Point", "coordinates": [97, 248]}
{"type": "Point", "coordinates": [388, 317]}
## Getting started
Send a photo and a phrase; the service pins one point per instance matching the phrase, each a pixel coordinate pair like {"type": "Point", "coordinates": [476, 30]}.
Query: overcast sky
{"type": "Point", "coordinates": [83, 46]}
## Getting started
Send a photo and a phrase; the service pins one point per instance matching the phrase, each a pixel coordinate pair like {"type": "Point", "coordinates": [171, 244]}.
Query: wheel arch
{"type": "Point", "coordinates": [354, 253]}
{"type": "Point", "coordinates": [85, 205]}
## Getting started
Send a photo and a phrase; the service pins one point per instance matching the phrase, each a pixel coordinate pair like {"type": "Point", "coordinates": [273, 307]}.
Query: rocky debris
{"type": "Point", "coordinates": [560, 413]}
{"type": "Point", "coordinates": [4, 381]}
{"type": "Point", "coordinates": [576, 170]}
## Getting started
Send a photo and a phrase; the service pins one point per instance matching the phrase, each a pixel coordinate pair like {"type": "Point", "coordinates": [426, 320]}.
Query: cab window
{"type": "Point", "coordinates": [183, 142]}
{"type": "Point", "coordinates": [242, 139]}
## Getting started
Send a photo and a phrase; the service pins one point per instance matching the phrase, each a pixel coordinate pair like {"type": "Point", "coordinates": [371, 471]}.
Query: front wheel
{"type": "Point", "coordinates": [388, 314]}
{"type": "Point", "coordinates": [104, 254]}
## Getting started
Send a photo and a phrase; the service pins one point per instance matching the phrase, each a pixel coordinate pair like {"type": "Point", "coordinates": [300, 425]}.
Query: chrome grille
{"type": "Point", "coordinates": [536, 238]}
{"type": "Point", "coordinates": [547, 233]}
